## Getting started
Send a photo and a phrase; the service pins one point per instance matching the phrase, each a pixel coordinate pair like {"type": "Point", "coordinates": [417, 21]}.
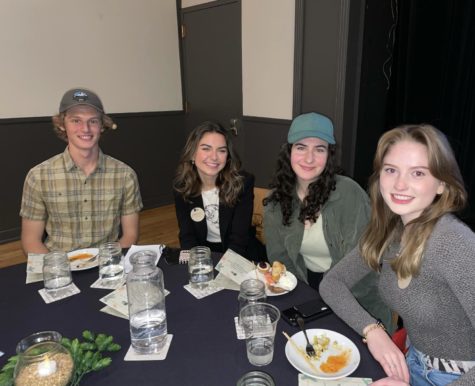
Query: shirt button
{"type": "Point", "coordinates": [86, 218]}
{"type": "Point", "coordinates": [85, 200]}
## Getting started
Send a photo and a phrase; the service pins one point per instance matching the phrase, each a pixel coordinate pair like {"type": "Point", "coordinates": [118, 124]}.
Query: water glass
{"type": "Point", "coordinates": [259, 322]}
{"type": "Point", "coordinates": [256, 378]}
{"type": "Point", "coordinates": [56, 270]}
{"type": "Point", "coordinates": [251, 291]}
{"type": "Point", "coordinates": [200, 267]}
{"type": "Point", "coordinates": [110, 261]}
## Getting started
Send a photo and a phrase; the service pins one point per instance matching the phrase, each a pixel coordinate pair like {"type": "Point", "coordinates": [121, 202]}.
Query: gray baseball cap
{"type": "Point", "coordinates": [80, 96]}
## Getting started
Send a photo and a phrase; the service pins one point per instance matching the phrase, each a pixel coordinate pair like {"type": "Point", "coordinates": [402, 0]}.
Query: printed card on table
{"type": "Point", "coordinates": [34, 268]}
{"type": "Point", "coordinates": [117, 300]}
{"type": "Point", "coordinates": [349, 381]}
{"type": "Point", "coordinates": [157, 248]}
{"type": "Point", "coordinates": [234, 266]}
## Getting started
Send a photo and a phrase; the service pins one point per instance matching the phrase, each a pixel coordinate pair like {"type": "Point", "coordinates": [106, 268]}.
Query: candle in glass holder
{"type": "Point", "coordinates": [47, 367]}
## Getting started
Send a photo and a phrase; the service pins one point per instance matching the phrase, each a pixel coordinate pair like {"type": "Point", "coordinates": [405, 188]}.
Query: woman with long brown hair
{"type": "Point", "coordinates": [213, 196]}
{"type": "Point", "coordinates": [425, 257]}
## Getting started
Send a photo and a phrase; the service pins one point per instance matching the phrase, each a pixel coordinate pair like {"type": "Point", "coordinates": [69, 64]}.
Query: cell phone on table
{"type": "Point", "coordinates": [308, 311]}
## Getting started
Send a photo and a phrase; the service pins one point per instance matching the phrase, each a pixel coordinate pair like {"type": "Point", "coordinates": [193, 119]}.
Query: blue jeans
{"type": "Point", "coordinates": [421, 375]}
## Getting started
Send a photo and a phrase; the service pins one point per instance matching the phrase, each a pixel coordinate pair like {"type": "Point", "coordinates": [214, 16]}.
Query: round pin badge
{"type": "Point", "coordinates": [197, 214]}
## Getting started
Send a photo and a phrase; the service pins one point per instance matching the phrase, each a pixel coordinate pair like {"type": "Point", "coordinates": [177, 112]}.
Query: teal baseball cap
{"type": "Point", "coordinates": [311, 125]}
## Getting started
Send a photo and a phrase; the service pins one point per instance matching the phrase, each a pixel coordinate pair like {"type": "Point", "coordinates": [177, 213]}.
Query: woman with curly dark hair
{"type": "Point", "coordinates": [213, 196]}
{"type": "Point", "coordinates": [314, 216]}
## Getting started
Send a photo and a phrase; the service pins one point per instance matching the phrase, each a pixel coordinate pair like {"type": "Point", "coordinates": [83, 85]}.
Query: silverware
{"type": "Point", "coordinates": [309, 347]}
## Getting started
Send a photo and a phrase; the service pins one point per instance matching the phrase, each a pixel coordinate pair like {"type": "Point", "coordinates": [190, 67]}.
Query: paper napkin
{"type": "Point", "coordinates": [160, 356]}
{"type": "Point", "coordinates": [50, 296]}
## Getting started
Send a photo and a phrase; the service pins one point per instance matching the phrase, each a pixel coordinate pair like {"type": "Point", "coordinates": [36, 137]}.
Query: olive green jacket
{"type": "Point", "coordinates": [344, 216]}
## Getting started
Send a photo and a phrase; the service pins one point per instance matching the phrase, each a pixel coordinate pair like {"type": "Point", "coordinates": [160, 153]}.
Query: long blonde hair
{"type": "Point", "coordinates": [386, 227]}
{"type": "Point", "coordinates": [230, 180]}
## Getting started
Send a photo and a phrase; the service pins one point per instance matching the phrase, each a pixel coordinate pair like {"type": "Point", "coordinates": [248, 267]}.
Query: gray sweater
{"type": "Point", "coordinates": [438, 306]}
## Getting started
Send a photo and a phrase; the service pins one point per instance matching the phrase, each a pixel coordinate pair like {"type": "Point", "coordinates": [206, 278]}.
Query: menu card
{"type": "Point", "coordinates": [307, 381]}
{"type": "Point", "coordinates": [157, 248]}
{"type": "Point", "coordinates": [117, 302]}
{"type": "Point", "coordinates": [34, 268]}
{"type": "Point", "coordinates": [235, 267]}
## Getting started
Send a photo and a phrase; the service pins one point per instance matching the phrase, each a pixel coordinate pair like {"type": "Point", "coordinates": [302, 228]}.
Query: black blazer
{"type": "Point", "coordinates": [234, 222]}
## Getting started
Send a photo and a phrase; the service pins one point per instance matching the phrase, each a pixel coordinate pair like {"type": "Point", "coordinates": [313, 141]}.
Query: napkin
{"type": "Point", "coordinates": [157, 248]}
{"type": "Point", "coordinates": [159, 356]}
{"type": "Point", "coordinates": [202, 293]}
{"type": "Point", "coordinates": [50, 296]}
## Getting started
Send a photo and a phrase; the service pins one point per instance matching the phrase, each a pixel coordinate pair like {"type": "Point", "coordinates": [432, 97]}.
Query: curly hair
{"type": "Point", "coordinates": [58, 124]}
{"type": "Point", "coordinates": [229, 181]}
{"type": "Point", "coordinates": [284, 183]}
{"type": "Point", "coordinates": [385, 226]}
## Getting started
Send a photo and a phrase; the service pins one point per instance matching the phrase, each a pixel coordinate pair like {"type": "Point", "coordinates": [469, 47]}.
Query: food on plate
{"type": "Point", "coordinates": [278, 269]}
{"type": "Point", "coordinates": [263, 267]}
{"type": "Point", "coordinates": [335, 363]}
{"type": "Point", "coordinates": [275, 277]}
{"type": "Point", "coordinates": [320, 344]}
{"type": "Point", "coordinates": [80, 256]}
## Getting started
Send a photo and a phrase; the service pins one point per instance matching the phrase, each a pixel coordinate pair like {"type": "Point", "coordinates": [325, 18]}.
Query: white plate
{"type": "Point", "coordinates": [296, 359]}
{"type": "Point", "coordinates": [80, 265]}
{"type": "Point", "coordinates": [255, 274]}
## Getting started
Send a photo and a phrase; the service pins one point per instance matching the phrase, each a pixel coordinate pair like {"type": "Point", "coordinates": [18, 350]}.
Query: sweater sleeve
{"type": "Point", "coordinates": [275, 245]}
{"type": "Point", "coordinates": [335, 291]}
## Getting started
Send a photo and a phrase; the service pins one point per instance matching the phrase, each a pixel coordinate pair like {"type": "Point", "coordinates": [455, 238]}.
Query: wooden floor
{"type": "Point", "coordinates": [157, 226]}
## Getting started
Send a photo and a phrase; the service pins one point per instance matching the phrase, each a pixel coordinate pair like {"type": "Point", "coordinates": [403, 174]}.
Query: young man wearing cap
{"type": "Point", "coordinates": [81, 197]}
{"type": "Point", "coordinates": [313, 217]}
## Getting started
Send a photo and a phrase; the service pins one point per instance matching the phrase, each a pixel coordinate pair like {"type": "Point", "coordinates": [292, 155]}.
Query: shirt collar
{"type": "Point", "coordinates": [70, 165]}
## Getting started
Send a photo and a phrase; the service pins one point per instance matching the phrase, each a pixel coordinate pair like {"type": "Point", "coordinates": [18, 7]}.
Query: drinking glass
{"type": "Point", "coordinates": [259, 321]}
{"type": "Point", "coordinates": [251, 291]}
{"type": "Point", "coordinates": [200, 267]}
{"type": "Point", "coordinates": [56, 270]}
{"type": "Point", "coordinates": [110, 261]}
{"type": "Point", "coordinates": [256, 378]}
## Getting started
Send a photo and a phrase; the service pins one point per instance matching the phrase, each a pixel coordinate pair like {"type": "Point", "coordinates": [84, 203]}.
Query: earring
{"type": "Point", "coordinates": [192, 161]}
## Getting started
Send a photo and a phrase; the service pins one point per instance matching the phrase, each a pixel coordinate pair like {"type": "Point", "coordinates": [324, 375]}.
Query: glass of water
{"type": "Point", "coordinates": [110, 261]}
{"type": "Point", "coordinates": [200, 267]}
{"type": "Point", "coordinates": [259, 321]}
{"type": "Point", "coordinates": [56, 270]}
{"type": "Point", "coordinates": [251, 291]}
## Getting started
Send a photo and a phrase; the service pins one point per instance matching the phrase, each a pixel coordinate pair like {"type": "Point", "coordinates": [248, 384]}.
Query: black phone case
{"type": "Point", "coordinates": [308, 311]}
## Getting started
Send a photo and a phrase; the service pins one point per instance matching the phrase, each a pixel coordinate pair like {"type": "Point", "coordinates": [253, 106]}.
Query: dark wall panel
{"type": "Point", "coordinates": [263, 138]}
{"type": "Point", "coordinates": [150, 143]}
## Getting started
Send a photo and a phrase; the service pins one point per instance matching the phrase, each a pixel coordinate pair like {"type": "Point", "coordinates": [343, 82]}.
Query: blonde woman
{"type": "Point", "coordinates": [426, 260]}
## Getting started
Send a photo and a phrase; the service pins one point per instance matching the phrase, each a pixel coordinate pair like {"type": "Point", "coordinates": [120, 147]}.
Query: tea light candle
{"type": "Point", "coordinates": [46, 368]}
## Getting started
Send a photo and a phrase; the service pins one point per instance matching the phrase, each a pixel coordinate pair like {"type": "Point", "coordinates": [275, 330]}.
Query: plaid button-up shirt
{"type": "Point", "coordinates": [80, 211]}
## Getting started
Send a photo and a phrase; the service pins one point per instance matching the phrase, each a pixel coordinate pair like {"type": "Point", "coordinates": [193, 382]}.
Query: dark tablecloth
{"type": "Point", "coordinates": [204, 350]}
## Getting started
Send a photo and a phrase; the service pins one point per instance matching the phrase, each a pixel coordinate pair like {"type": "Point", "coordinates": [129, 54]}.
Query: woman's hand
{"type": "Point", "coordinates": [388, 355]}
{"type": "Point", "coordinates": [390, 381]}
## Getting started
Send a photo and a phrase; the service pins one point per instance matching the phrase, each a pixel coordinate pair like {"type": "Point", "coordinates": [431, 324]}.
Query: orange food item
{"type": "Point", "coordinates": [335, 363]}
{"type": "Point", "coordinates": [278, 269]}
{"type": "Point", "coordinates": [81, 256]}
